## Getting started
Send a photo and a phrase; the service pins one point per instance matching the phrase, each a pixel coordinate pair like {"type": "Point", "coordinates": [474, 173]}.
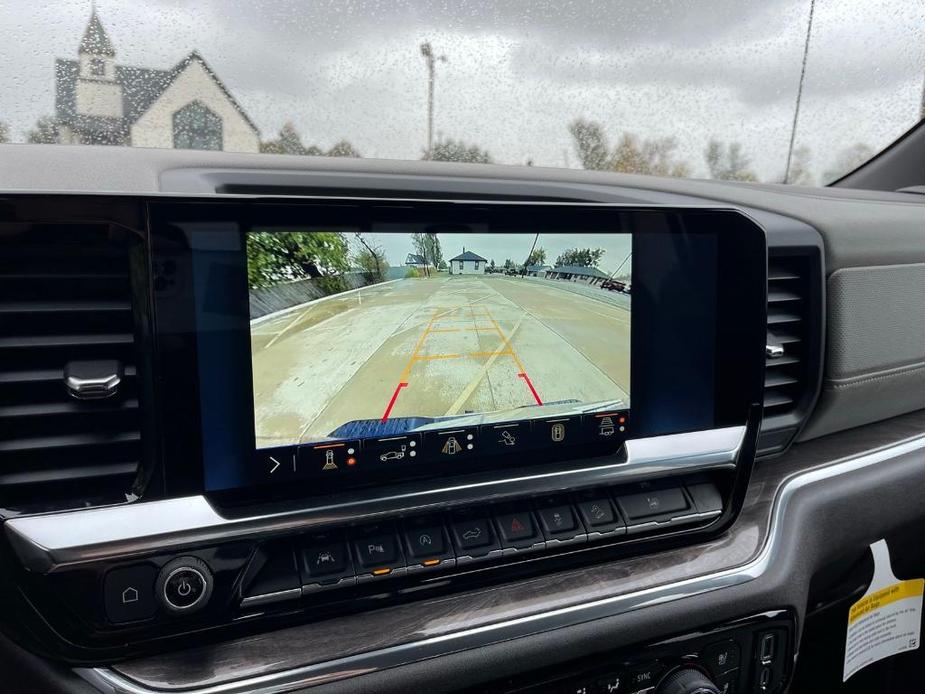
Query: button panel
{"type": "Point", "coordinates": [486, 533]}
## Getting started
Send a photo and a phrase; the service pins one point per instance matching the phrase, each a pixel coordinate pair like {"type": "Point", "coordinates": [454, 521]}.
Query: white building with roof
{"type": "Point", "coordinates": [468, 263]}
{"type": "Point", "coordinates": [186, 106]}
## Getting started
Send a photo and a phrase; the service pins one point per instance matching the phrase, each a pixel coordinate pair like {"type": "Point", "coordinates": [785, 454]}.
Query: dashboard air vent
{"type": "Point", "coordinates": [794, 340]}
{"type": "Point", "coordinates": [787, 320]}
{"type": "Point", "coordinates": [70, 425]}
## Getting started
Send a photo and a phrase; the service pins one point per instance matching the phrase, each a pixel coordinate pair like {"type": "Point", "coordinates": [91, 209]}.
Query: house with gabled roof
{"type": "Point", "coordinates": [468, 263]}
{"type": "Point", "coordinates": [186, 106]}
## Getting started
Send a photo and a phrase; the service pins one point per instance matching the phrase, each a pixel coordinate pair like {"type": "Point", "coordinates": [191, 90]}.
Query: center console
{"type": "Point", "coordinates": [356, 403]}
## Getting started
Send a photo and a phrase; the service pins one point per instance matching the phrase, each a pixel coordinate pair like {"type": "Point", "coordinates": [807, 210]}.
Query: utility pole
{"type": "Point", "coordinates": [620, 267]}
{"type": "Point", "coordinates": [430, 59]}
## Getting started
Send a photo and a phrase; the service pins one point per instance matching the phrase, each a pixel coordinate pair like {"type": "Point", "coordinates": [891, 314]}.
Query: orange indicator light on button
{"type": "Point", "coordinates": [381, 572]}
{"type": "Point", "coordinates": [430, 562]}
{"type": "Point", "coordinates": [351, 462]}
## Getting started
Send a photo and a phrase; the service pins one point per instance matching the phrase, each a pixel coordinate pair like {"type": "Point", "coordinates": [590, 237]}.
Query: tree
{"type": "Point", "coordinates": [491, 265]}
{"type": "Point", "coordinates": [275, 257]}
{"type": "Point", "coordinates": [45, 132]}
{"type": "Point", "coordinates": [427, 245]}
{"type": "Point", "coordinates": [457, 150]}
{"type": "Point", "coordinates": [654, 157]}
{"type": "Point", "coordinates": [4, 132]}
{"type": "Point", "coordinates": [288, 141]}
{"type": "Point", "coordinates": [590, 144]}
{"type": "Point", "coordinates": [371, 261]}
{"type": "Point", "coordinates": [800, 173]}
{"type": "Point", "coordinates": [537, 257]}
{"type": "Point", "coordinates": [848, 160]}
{"type": "Point", "coordinates": [434, 253]}
{"type": "Point", "coordinates": [728, 162]}
{"type": "Point", "coordinates": [343, 149]}
{"type": "Point", "coordinates": [508, 264]}
{"type": "Point", "coordinates": [582, 257]}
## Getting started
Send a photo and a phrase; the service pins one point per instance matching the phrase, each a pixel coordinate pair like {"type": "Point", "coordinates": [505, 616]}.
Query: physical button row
{"type": "Point", "coordinates": [370, 553]}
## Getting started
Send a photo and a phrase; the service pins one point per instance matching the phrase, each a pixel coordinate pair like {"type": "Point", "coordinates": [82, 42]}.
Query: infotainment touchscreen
{"type": "Point", "coordinates": [389, 348]}
{"type": "Point", "coordinates": [343, 343]}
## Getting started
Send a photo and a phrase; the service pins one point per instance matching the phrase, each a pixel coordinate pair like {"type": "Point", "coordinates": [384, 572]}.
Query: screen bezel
{"type": "Point", "coordinates": [739, 328]}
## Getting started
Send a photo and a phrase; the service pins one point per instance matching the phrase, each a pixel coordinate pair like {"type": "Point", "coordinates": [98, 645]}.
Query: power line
{"type": "Point", "coordinates": [796, 110]}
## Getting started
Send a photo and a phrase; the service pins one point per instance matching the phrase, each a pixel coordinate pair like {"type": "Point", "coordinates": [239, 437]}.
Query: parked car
{"type": "Point", "coordinates": [615, 286]}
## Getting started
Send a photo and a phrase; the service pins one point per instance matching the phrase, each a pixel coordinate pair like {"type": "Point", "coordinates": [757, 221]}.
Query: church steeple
{"type": "Point", "coordinates": [95, 40]}
{"type": "Point", "coordinates": [97, 56]}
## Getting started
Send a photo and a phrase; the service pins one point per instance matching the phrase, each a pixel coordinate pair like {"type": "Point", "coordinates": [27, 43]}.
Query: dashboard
{"type": "Point", "coordinates": [222, 476]}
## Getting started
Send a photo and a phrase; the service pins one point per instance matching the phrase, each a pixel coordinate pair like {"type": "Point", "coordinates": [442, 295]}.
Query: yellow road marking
{"type": "Point", "coordinates": [288, 327]}
{"type": "Point", "coordinates": [507, 343]}
{"type": "Point", "coordinates": [407, 370]}
{"type": "Point", "coordinates": [428, 357]}
{"type": "Point", "coordinates": [435, 316]}
{"type": "Point", "coordinates": [477, 379]}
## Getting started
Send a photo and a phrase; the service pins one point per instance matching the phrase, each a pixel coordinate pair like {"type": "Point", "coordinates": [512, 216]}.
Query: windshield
{"type": "Point", "coordinates": [768, 91]}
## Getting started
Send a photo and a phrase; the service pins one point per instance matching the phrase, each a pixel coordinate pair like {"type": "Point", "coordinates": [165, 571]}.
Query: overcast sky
{"type": "Point", "coordinates": [517, 72]}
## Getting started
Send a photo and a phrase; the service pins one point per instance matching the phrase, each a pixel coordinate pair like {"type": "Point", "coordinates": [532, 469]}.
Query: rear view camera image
{"type": "Point", "coordinates": [369, 340]}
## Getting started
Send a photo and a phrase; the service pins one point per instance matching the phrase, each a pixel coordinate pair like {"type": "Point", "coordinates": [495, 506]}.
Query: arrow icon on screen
{"type": "Point", "coordinates": [273, 469]}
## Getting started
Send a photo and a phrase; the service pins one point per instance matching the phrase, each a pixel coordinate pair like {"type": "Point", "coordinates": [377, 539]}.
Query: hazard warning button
{"type": "Point", "coordinates": [517, 528]}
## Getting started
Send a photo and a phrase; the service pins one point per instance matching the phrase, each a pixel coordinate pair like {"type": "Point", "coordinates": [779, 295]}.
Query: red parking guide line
{"type": "Point", "coordinates": [529, 383]}
{"type": "Point", "coordinates": [388, 410]}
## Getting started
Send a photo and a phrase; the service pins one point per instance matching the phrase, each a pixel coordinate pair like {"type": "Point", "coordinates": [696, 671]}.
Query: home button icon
{"type": "Point", "coordinates": [128, 593]}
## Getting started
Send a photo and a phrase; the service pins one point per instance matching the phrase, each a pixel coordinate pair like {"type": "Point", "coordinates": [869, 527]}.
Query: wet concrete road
{"type": "Point", "coordinates": [435, 347]}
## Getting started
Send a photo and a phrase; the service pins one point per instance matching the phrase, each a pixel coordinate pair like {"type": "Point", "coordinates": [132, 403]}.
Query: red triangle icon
{"type": "Point", "coordinates": [516, 525]}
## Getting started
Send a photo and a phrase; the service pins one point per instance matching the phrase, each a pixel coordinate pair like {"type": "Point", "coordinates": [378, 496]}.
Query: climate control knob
{"type": "Point", "coordinates": [184, 585]}
{"type": "Point", "coordinates": [687, 680]}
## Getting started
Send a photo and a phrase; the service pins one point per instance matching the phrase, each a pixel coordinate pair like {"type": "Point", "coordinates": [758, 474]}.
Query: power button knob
{"type": "Point", "coordinates": [184, 585]}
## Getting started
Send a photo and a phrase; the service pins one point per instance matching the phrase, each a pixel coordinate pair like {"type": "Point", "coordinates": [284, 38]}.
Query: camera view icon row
{"type": "Point", "coordinates": [459, 443]}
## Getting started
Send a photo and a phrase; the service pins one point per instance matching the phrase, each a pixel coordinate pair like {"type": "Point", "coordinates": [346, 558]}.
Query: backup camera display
{"type": "Point", "coordinates": [401, 345]}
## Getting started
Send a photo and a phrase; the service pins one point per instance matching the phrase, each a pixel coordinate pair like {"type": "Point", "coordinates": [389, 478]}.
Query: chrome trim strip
{"type": "Point", "coordinates": [266, 598]}
{"type": "Point", "coordinates": [112, 682]}
{"type": "Point", "coordinates": [50, 542]}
